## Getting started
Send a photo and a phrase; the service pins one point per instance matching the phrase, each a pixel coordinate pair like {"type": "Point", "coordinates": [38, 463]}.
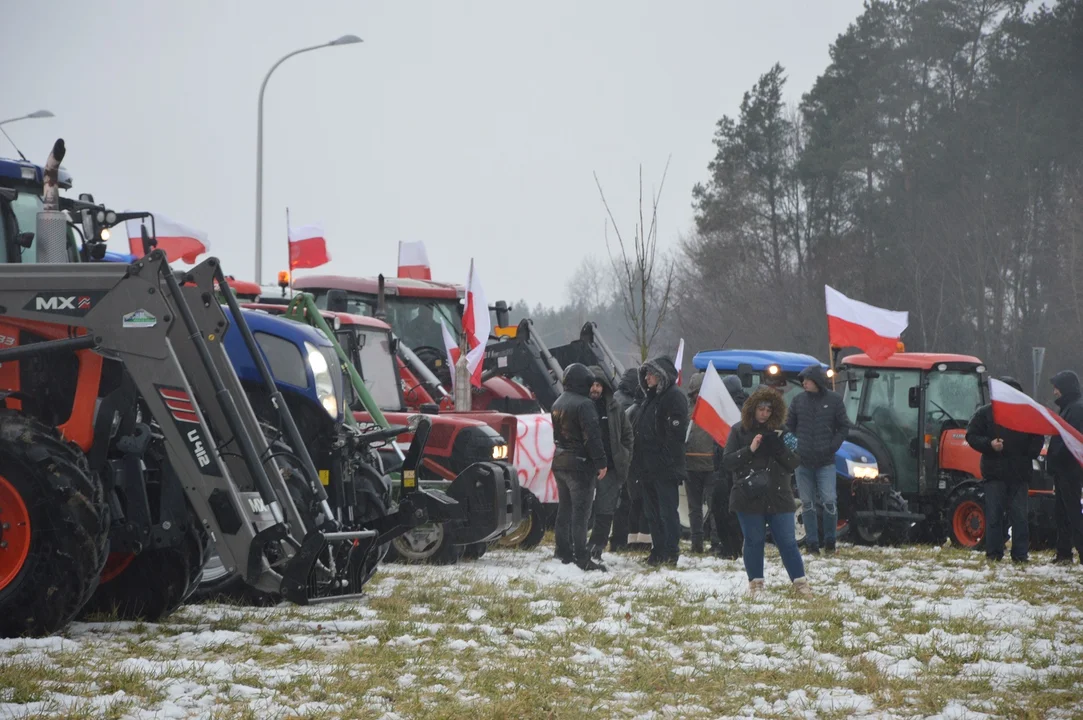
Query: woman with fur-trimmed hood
{"type": "Point", "coordinates": [762, 495]}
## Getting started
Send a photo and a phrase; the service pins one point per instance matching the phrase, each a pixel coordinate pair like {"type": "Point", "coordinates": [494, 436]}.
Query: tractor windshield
{"type": "Point", "coordinates": [378, 369]}
{"type": "Point", "coordinates": [417, 320]}
{"type": "Point", "coordinates": [886, 412]}
{"type": "Point", "coordinates": [953, 395]}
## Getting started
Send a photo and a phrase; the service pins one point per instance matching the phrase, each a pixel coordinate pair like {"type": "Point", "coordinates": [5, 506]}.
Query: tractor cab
{"type": "Point", "coordinates": [911, 411]}
{"type": "Point", "coordinates": [756, 367]}
{"type": "Point", "coordinates": [20, 202]}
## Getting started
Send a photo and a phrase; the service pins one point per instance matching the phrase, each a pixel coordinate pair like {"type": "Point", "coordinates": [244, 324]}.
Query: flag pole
{"type": "Point", "coordinates": [289, 263]}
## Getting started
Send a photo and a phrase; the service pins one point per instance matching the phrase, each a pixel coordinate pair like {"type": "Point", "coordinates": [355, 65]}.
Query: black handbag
{"type": "Point", "coordinates": [756, 480]}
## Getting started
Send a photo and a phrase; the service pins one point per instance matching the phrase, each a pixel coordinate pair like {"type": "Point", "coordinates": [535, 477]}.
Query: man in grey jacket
{"type": "Point", "coordinates": [818, 418]}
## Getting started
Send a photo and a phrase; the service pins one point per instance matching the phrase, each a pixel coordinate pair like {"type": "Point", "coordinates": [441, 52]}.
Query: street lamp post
{"type": "Point", "coordinates": [32, 116]}
{"type": "Point", "coordinates": [344, 40]}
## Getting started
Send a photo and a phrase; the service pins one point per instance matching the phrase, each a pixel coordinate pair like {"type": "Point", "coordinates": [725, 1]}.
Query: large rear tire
{"type": "Point", "coordinates": [54, 529]}
{"type": "Point", "coordinates": [152, 584]}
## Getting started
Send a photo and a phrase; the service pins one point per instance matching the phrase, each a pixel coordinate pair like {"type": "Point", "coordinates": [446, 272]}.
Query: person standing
{"type": "Point", "coordinates": [817, 418]}
{"type": "Point", "coordinates": [660, 426]}
{"type": "Point", "coordinates": [1067, 473]}
{"type": "Point", "coordinates": [726, 528]}
{"type": "Point", "coordinates": [699, 454]}
{"type": "Point", "coordinates": [617, 440]}
{"type": "Point", "coordinates": [628, 521]}
{"type": "Point", "coordinates": [578, 463]}
{"type": "Point", "coordinates": [762, 496]}
{"type": "Point", "coordinates": [1007, 458]}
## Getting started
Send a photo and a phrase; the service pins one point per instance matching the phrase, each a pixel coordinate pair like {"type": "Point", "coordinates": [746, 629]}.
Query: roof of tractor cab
{"type": "Point", "coordinates": [243, 287]}
{"type": "Point", "coordinates": [910, 360]}
{"type": "Point", "coordinates": [728, 360]}
{"type": "Point", "coordinates": [14, 172]}
{"type": "Point", "coordinates": [344, 318]}
{"type": "Point", "coordinates": [404, 287]}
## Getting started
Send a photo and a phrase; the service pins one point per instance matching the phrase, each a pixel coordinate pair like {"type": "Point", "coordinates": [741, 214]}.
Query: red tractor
{"type": "Point", "coordinates": [911, 412]}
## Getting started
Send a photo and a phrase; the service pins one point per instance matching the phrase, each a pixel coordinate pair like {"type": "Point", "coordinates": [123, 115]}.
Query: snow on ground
{"type": "Point", "coordinates": [893, 633]}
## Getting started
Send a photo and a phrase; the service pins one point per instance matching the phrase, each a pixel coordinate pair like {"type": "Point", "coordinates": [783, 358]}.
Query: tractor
{"type": "Point", "coordinates": [910, 412]}
{"type": "Point", "coordinates": [127, 443]}
{"type": "Point", "coordinates": [456, 443]}
{"type": "Point", "coordinates": [867, 504]}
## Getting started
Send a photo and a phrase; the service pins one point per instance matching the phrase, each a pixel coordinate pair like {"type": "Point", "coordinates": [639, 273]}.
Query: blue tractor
{"type": "Point", "coordinates": [870, 511]}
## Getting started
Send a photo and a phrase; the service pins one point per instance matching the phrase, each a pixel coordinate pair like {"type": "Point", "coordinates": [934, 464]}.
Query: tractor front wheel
{"type": "Point", "coordinates": [54, 529]}
{"type": "Point", "coordinates": [531, 529]}
{"type": "Point", "coordinates": [966, 519]}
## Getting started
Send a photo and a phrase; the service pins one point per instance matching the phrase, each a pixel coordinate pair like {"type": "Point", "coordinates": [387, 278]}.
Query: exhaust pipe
{"type": "Point", "coordinates": [51, 233]}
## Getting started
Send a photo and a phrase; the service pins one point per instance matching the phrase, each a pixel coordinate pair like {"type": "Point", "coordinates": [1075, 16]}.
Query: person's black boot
{"type": "Point", "coordinates": [697, 544]}
{"type": "Point", "coordinates": [812, 550]}
{"type": "Point", "coordinates": [596, 551]}
{"type": "Point", "coordinates": [588, 564]}
{"type": "Point", "coordinates": [565, 557]}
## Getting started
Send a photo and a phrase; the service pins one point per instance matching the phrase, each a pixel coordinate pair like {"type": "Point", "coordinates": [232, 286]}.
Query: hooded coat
{"type": "Point", "coordinates": [1013, 464]}
{"type": "Point", "coordinates": [699, 449]}
{"type": "Point", "coordinates": [818, 419]}
{"type": "Point", "coordinates": [1070, 403]}
{"type": "Point", "coordinates": [660, 425]}
{"type": "Point", "coordinates": [626, 390]}
{"type": "Point", "coordinates": [577, 432]}
{"type": "Point", "coordinates": [772, 455]}
{"type": "Point", "coordinates": [619, 428]}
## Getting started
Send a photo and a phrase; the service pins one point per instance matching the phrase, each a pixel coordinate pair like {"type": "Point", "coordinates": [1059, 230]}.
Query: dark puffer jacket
{"type": "Point", "coordinates": [738, 395]}
{"type": "Point", "coordinates": [1014, 463]}
{"type": "Point", "coordinates": [772, 455]}
{"type": "Point", "coordinates": [577, 432]}
{"type": "Point", "coordinates": [819, 421]}
{"type": "Point", "coordinates": [659, 425]}
{"type": "Point", "coordinates": [626, 390]}
{"type": "Point", "coordinates": [700, 447]}
{"type": "Point", "coordinates": [618, 427]}
{"type": "Point", "coordinates": [1070, 402]}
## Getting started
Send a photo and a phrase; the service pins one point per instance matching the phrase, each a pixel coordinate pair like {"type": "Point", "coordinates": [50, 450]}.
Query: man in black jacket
{"type": "Point", "coordinates": [578, 463]}
{"type": "Point", "coordinates": [660, 424]}
{"type": "Point", "coordinates": [1067, 473]}
{"type": "Point", "coordinates": [727, 530]}
{"type": "Point", "coordinates": [818, 418]}
{"type": "Point", "coordinates": [617, 440]}
{"type": "Point", "coordinates": [1007, 458]}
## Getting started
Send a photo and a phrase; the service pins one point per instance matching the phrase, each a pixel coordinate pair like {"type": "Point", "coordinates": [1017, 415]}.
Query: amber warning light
{"type": "Point", "coordinates": [283, 278]}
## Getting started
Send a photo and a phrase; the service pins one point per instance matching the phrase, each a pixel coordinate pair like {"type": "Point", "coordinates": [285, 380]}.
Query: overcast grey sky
{"type": "Point", "coordinates": [473, 126]}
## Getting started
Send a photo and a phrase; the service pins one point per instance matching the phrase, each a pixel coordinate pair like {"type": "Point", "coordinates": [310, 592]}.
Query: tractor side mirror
{"type": "Point", "coordinates": [393, 345]}
{"type": "Point", "coordinates": [870, 373]}
{"type": "Point", "coordinates": [336, 301]}
{"type": "Point", "coordinates": [25, 240]}
{"type": "Point", "coordinates": [430, 409]}
{"type": "Point", "coordinates": [851, 380]}
{"type": "Point", "coordinates": [744, 372]}
{"type": "Point", "coordinates": [912, 398]}
{"type": "Point", "coordinates": [914, 448]}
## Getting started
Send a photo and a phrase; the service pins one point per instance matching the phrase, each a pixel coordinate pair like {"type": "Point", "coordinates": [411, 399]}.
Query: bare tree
{"type": "Point", "coordinates": [645, 279]}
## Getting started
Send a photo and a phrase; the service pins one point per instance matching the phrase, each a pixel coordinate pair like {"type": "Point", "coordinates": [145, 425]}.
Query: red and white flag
{"type": "Point", "coordinates": [1018, 411]}
{"type": "Point", "coordinates": [414, 261]}
{"type": "Point", "coordinates": [176, 239]}
{"type": "Point", "coordinates": [476, 325]}
{"type": "Point", "coordinates": [308, 248]}
{"type": "Point", "coordinates": [452, 349]}
{"type": "Point", "coordinates": [852, 323]}
{"type": "Point", "coordinates": [715, 410]}
{"type": "Point", "coordinates": [680, 360]}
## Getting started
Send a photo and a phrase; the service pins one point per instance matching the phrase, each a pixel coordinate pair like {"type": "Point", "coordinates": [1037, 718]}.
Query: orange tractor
{"type": "Point", "coordinates": [911, 412]}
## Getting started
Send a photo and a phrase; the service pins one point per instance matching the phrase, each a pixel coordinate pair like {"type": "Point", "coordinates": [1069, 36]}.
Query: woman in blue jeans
{"type": "Point", "coordinates": [762, 497]}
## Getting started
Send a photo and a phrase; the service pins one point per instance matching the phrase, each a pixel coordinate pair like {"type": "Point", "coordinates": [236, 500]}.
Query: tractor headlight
{"type": "Point", "coordinates": [862, 471]}
{"type": "Point", "coordinates": [500, 452]}
{"type": "Point", "coordinates": [321, 372]}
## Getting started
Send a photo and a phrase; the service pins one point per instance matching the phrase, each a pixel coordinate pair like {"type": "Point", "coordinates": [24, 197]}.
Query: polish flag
{"type": "Point", "coordinates": [176, 239]}
{"type": "Point", "coordinates": [308, 248]}
{"type": "Point", "coordinates": [852, 323]}
{"type": "Point", "coordinates": [475, 325]}
{"type": "Point", "coordinates": [414, 261]}
{"type": "Point", "coordinates": [680, 360]}
{"type": "Point", "coordinates": [452, 349]}
{"type": "Point", "coordinates": [1018, 411]}
{"type": "Point", "coordinates": [715, 410]}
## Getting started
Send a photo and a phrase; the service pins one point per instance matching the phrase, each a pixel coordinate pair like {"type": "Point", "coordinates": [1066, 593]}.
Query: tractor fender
{"type": "Point", "coordinates": [489, 495]}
